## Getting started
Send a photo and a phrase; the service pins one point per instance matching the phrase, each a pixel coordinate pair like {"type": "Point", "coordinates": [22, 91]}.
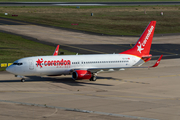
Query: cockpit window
{"type": "Point", "coordinates": [17, 63]}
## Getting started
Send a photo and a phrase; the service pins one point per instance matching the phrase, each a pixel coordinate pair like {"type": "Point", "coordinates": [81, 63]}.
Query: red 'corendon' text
{"type": "Point", "coordinates": [53, 62]}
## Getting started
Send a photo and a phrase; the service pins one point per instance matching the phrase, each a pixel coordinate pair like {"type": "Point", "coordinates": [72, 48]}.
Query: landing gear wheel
{"type": "Point", "coordinates": [93, 78]}
{"type": "Point", "coordinates": [22, 80]}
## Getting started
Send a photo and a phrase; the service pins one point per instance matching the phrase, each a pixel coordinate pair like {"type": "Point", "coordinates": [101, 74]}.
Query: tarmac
{"type": "Point", "coordinates": [143, 94]}
{"type": "Point", "coordinates": [146, 94]}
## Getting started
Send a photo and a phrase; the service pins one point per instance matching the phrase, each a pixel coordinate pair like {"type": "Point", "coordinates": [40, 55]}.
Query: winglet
{"type": "Point", "coordinates": [158, 61]}
{"type": "Point", "coordinates": [56, 51]}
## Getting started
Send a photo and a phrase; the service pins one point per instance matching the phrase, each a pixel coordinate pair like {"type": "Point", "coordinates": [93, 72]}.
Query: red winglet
{"type": "Point", "coordinates": [158, 61]}
{"type": "Point", "coordinates": [56, 51]}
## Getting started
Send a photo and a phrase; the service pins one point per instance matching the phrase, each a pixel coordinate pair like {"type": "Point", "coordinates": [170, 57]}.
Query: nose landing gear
{"type": "Point", "coordinates": [22, 78]}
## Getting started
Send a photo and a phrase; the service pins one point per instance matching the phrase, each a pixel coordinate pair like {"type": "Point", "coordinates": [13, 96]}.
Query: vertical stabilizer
{"type": "Point", "coordinates": [143, 45]}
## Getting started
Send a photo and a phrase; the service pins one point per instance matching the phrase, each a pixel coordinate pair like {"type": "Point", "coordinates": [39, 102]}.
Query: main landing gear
{"type": "Point", "coordinates": [93, 78]}
{"type": "Point", "coordinates": [23, 80]}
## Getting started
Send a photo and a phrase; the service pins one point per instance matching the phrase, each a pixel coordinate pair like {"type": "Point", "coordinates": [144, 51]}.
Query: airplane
{"type": "Point", "coordinates": [87, 66]}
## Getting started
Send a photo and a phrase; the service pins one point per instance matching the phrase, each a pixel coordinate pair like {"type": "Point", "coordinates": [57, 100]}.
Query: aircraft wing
{"type": "Point", "coordinates": [122, 68]}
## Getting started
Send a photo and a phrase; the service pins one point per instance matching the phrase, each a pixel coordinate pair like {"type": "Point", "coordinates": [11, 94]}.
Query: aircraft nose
{"type": "Point", "coordinates": [10, 69]}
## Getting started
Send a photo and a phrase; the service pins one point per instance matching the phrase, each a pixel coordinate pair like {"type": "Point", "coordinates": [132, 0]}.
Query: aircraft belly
{"type": "Point", "coordinates": [52, 71]}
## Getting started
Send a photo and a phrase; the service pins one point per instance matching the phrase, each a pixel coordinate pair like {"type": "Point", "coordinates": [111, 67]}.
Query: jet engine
{"type": "Point", "coordinates": [81, 74]}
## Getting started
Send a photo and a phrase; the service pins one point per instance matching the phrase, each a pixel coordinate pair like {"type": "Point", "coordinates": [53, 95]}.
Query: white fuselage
{"type": "Point", "coordinates": [64, 64]}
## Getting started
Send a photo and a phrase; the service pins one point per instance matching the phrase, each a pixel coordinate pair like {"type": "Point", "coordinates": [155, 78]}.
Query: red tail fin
{"type": "Point", "coordinates": [143, 45]}
{"type": "Point", "coordinates": [56, 51]}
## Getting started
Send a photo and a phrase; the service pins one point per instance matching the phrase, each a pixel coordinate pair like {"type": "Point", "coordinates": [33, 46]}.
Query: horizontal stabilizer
{"type": "Point", "coordinates": [158, 61]}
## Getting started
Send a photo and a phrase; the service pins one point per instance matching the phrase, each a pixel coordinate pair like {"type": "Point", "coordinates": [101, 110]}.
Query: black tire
{"type": "Point", "coordinates": [93, 78]}
{"type": "Point", "coordinates": [22, 80]}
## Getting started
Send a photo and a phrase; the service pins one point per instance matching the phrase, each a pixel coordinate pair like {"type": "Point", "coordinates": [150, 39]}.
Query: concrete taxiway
{"type": "Point", "coordinates": [147, 94]}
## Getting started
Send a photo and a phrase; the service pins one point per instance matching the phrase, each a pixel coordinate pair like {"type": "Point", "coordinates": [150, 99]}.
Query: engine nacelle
{"type": "Point", "coordinates": [81, 74]}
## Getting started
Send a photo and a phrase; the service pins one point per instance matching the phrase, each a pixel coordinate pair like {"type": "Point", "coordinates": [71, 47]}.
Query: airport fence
{"type": "Point", "coordinates": [3, 65]}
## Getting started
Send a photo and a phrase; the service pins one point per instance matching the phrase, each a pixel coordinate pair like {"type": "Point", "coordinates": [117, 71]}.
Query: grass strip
{"type": "Point", "coordinates": [111, 20]}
